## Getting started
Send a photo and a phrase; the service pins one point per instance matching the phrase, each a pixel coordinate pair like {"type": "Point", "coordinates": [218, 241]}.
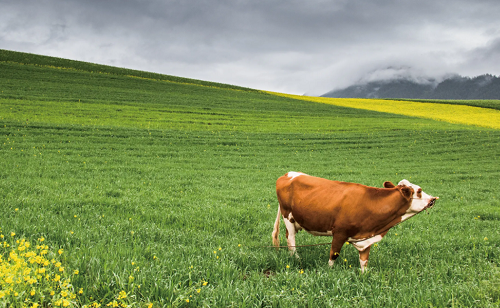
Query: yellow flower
{"type": "Point", "coordinates": [288, 266]}
{"type": "Point", "coordinates": [198, 290]}
{"type": "Point", "coordinates": [57, 278]}
{"type": "Point", "coordinates": [65, 303]}
{"type": "Point", "coordinates": [12, 234]}
{"type": "Point", "coordinates": [150, 305]}
{"type": "Point", "coordinates": [64, 293]}
{"type": "Point", "coordinates": [220, 248]}
{"type": "Point", "coordinates": [76, 272]}
{"type": "Point", "coordinates": [61, 269]}
{"type": "Point", "coordinates": [122, 295]}
{"type": "Point", "coordinates": [80, 291]}
{"type": "Point", "coordinates": [205, 283]}
{"type": "Point", "coordinates": [16, 209]}
{"type": "Point", "coordinates": [187, 300]}
{"type": "Point", "coordinates": [32, 293]}
{"type": "Point", "coordinates": [485, 238]}
{"type": "Point", "coordinates": [60, 251]}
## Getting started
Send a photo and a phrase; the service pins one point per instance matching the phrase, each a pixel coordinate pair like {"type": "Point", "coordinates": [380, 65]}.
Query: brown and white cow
{"type": "Point", "coordinates": [349, 212]}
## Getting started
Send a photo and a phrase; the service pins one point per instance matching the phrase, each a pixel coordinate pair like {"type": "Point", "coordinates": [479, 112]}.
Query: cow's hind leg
{"type": "Point", "coordinates": [363, 258]}
{"type": "Point", "coordinates": [290, 236]}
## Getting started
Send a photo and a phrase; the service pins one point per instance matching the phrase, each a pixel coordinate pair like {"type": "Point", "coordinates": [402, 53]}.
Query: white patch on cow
{"type": "Point", "coordinates": [361, 245]}
{"type": "Point", "coordinates": [417, 204]}
{"type": "Point", "coordinates": [330, 262]}
{"type": "Point", "coordinates": [316, 233]}
{"type": "Point", "coordinates": [291, 236]}
{"type": "Point", "coordinates": [293, 174]}
{"type": "Point", "coordinates": [407, 215]}
{"type": "Point", "coordinates": [363, 264]}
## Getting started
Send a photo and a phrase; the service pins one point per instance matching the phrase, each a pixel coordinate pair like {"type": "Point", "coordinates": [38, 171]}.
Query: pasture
{"type": "Point", "coordinates": [159, 187]}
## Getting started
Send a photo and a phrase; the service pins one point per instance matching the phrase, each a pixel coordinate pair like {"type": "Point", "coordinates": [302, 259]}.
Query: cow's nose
{"type": "Point", "coordinates": [431, 203]}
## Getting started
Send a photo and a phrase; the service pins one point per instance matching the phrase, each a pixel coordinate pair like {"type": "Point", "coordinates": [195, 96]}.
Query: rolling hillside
{"type": "Point", "coordinates": [135, 189]}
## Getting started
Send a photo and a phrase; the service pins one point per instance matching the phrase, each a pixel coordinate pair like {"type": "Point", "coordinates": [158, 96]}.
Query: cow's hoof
{"type": "Point", "coordinates": [330, 263]}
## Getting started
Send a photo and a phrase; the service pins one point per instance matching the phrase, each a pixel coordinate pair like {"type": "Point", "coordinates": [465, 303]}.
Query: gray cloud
{"type": "Point", "coordinates": [292, 46]}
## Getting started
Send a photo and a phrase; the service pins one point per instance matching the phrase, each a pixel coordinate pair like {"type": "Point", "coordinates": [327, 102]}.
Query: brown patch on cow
{"type": "Point", "coordinates": [419, 193]}
{"type": "Point", "coordinates": [407, 192]}
{"type": "Point", "coordinates": [388, 184]}
{"type": "Point", "coordinates": [292, 220]}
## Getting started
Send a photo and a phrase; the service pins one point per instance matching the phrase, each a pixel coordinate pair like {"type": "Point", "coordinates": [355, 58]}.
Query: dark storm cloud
{"type": "Point", "coordinates": [293, 46]}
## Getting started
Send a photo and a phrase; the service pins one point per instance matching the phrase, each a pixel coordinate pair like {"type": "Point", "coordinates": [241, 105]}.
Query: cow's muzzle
{"type": "Point", "coordinates": [431, 203]}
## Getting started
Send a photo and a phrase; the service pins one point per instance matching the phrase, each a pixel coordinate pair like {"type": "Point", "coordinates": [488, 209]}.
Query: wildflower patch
{"type": "Point", "coordinates": [33, 276]}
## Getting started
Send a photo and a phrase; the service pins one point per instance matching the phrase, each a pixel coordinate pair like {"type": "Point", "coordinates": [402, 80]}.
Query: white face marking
{"type": "Point", "coordinates": [293, 174]}
{"type": "Point", "coordinates": [417, 204]}
{"type": "Point", "coordinates": [361, 245]}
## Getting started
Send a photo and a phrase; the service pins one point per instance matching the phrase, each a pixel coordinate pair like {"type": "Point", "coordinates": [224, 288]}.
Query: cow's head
{"type": "Point", "coordinates": [419, 199]}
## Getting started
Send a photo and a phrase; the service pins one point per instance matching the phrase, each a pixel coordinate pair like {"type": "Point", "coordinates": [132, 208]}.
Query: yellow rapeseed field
{"type": "Point", "coordinates": [460, 114]}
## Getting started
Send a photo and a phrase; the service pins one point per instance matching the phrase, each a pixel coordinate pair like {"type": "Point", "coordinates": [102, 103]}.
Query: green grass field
{"type": "Point", "coordinates": [149, 184]}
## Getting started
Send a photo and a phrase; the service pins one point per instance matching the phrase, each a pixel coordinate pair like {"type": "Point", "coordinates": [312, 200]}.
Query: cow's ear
{"type": "Point", "coordinates": [388, 184]}
{"type": "Point", "coordinates": [407, 191]}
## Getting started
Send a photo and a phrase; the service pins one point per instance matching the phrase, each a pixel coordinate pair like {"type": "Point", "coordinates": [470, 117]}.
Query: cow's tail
{"type": "Point", "coordinates": [276, 231]}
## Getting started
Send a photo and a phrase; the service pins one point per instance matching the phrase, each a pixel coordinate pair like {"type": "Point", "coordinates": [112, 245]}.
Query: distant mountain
{"type": "Point", "coordinates": [453, 87]}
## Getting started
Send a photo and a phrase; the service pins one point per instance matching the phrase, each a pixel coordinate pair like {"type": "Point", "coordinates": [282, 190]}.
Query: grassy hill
{"type": "Point", "coordinates": [152, 189]}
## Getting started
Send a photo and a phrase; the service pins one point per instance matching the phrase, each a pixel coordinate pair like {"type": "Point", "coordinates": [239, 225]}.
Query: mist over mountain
{"type": "Point", "coordinates": [407, 86]}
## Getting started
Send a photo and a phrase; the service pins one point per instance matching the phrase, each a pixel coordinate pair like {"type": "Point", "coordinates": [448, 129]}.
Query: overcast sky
{"type": "Point", "coordinates": [292, 46]}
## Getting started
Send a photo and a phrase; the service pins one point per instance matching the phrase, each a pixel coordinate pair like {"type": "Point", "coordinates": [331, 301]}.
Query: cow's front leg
{"type": "Point", "coordinates": [337, 243]}
{"type": "Point", "coordinates": [363, 258]}
{"type": "Point", "coordinates": [290, 237]}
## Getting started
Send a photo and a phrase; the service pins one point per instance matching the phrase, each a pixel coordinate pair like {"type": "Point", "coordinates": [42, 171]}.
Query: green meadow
{"type": "Point", "coordinates": [164, 188]}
